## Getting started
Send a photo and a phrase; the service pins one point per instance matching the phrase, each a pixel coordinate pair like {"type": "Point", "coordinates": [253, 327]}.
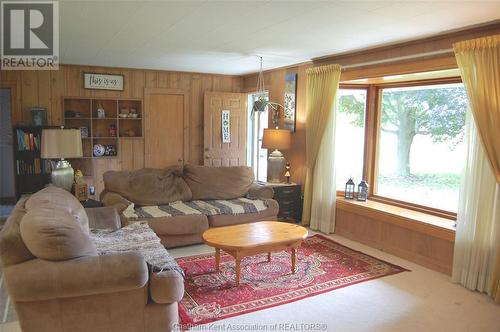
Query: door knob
{"type": "Point", "coordinates": [179, 160]}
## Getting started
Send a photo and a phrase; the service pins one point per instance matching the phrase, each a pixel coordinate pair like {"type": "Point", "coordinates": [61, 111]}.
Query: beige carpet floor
{"type": "Point", "coordinates": [420, 300]}
{"type": "Point", "coordinates": [7, 312]}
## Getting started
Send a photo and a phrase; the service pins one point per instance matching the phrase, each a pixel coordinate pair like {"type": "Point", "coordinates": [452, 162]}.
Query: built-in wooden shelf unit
{"type": "Point", "coordinates": [80, 112]}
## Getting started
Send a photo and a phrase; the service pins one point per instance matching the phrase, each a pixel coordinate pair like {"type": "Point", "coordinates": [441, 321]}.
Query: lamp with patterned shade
{"type": "Point", "coordinates": [275, 139]}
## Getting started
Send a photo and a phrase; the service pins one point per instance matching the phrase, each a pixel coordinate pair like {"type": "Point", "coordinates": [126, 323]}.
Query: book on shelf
{"type": "Point", "coordinates": [32, 141]}
{"type": "Point", "coordinates": [27, 141]}
{"type": "Point", "coordinates": [46, 166]}
{"type": "Point", "coordinates": [38, 166]}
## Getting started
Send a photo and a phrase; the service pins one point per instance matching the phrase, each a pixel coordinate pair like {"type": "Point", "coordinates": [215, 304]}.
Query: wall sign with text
{"type": "Point", "coordinates": [103, 81]}
{"type": "Point", "coordinates": [226, 126]}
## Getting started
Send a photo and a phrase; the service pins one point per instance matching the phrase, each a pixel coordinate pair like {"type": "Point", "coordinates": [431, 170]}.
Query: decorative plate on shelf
{"type": "Point", "coordinates": [99, 150]}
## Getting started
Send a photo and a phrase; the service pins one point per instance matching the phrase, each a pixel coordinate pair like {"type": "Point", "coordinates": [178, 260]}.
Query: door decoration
{"type": "Point", "coordinates": [226, 126]}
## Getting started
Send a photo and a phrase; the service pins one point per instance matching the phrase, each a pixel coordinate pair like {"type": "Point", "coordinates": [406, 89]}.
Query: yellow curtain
{"type": "Point", "coordinates": [322, 85]}
{"type": "Point", "coordinates": [479, 63]}
{"type": "Point", "coordinates": [495, 283]}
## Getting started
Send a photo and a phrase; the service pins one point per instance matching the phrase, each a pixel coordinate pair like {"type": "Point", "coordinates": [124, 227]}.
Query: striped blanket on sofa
{"type": "Point", "coordinates": [208, 208]}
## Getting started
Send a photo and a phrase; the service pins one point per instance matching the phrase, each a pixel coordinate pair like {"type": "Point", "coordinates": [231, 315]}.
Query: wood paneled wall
{"type": "Point", "coordinates": [275, 84]}
{"type": "Point", "coordinates": [421, 244]}
{"type": "Point", "coordinates": [46, 89]}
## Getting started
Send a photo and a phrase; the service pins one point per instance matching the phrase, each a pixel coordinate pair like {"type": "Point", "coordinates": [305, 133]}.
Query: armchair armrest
{"type": "Point", "coordinates": [103, 217]}
{"type": "Point", "coordinates": [115, 200]}
{"type": "Point", "coordinates": [260, 191]}
{"type": "Point", "coordinates": [37, 279]}
{"type": "Point", "coordinates": [166, 286]}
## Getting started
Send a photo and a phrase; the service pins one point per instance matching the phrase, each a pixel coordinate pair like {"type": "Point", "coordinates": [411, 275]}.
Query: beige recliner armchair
{"type": "Point", "coordinates": [57, 281]}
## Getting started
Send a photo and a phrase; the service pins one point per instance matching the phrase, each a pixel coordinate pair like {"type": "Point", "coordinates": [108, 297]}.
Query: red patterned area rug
{"type": "Point", "coordinates": [322, 265]}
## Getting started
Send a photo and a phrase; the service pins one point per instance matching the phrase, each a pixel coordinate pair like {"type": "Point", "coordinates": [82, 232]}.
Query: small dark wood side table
{"type": "Point", "coordinates": [91, 203]}
{"type": "Point", "coordinates": [289, 198]}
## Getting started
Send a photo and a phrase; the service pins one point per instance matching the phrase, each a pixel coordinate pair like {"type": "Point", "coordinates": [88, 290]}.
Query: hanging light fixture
{"type": "Point", "coordinates": [262, 103]}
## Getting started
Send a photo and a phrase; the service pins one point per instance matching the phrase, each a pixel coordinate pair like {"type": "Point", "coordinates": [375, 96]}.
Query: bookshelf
{"type": "Point", "coordinates": [32, 173]}
{"type": "Point", "coordinates": [82, 112]}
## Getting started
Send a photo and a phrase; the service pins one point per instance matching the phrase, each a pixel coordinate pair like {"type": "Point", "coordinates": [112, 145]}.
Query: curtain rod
{"type": "Point", "coordinates": [405, 57]}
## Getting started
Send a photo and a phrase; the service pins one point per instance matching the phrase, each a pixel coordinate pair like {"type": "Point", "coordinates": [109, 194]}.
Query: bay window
{"type": "Point", "coordinates": [420, 148]}
{"type": "Point", "coordinates": [406, 139]}
{"type": "Point", "coordinates": [350, 135]}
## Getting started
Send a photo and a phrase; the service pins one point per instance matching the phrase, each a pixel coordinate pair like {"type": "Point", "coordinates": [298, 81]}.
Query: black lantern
{"type": "Point", "coordinates": [363, 191]}
{"type": "Point", "coordinates": [350, 186]}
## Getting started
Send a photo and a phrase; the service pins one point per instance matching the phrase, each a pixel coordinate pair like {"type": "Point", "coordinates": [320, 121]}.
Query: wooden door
{"type": "Point", "coordinates": [166, 139]}
{"type": "Point", "coordinates": [217, 153]}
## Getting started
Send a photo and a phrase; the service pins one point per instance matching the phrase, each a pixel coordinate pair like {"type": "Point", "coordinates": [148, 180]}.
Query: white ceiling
{"type": "Point", "coordinates": [227, 36]}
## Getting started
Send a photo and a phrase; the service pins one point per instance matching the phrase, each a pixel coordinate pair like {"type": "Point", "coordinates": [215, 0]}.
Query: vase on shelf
{"type": "Point", "coordinates": [101, 114]}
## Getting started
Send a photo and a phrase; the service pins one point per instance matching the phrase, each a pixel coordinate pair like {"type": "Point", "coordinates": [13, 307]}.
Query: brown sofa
{"type": "Point", "coordinates": [57, 282]}
{"type": "Point", "coordinates": [151, 187]}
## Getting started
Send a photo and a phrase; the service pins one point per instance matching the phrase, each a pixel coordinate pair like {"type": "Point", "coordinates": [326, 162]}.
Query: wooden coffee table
{"type": "Point", "coordinates": [255, 238]}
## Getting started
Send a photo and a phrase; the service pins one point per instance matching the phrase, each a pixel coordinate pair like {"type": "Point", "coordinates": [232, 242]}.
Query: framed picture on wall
{"type": "Point", "coordinates": [290, 112]}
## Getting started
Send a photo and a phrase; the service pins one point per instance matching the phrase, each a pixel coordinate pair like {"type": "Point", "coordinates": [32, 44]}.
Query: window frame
{"type": "Point", "coordinates": [365, 152]}
{"type": "Point", "coordinates": [255, 140]}
{"type": "Point", "coordinates": [372, 137]}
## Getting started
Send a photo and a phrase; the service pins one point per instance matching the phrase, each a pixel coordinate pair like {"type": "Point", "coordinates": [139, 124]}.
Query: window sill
{"type": "Point", "coordinates": [418, 221]}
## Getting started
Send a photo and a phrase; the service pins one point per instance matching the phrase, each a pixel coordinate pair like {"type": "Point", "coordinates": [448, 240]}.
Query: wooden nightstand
{"type": "Point", "coordinates": [289, 198]}
{"type": "Point", "coordinates": [91, 203]}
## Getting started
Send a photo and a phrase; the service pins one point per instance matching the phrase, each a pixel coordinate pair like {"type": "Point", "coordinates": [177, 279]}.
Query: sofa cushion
{"type": "Point", "coordinates": [179, 225]}
{"type": "Point", "coordinates": [149, 186]}
{"type": "Point", "coordinates": [12, 247]}
{"type": "Point", "coordinates": [56, 198]}
{"type": "Point", "coordinates": [258, 191]}
{"type": "Point", "coordinates": [172, 241]}
{"type": "Point", "coordinates": [218, 182]}
{"type": "Point", "coordinates": [112, 199]}
{"type": "Point", "coordinates": [103, 217]}
{"type": "Point", "coordinates": [227, 219]}
{"type": "Point", "coordinates": [53, 234]}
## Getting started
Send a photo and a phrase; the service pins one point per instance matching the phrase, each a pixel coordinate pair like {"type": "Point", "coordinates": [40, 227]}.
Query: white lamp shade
{"type": "Point", "coordinates": [61, 143]}
{"type": "Point", "coordinates": [276, 139]}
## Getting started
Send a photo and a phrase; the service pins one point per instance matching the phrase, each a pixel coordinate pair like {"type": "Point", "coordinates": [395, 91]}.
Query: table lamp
{"type": "Point", "coordinates": [275, 139]}
{"type": "Point", "coordinates": [60, 144]}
